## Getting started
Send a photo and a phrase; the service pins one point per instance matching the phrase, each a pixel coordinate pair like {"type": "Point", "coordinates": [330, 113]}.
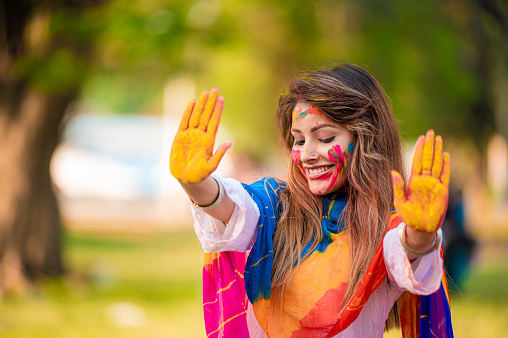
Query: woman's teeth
{"type": "Point", "coordinates": [319, 170]}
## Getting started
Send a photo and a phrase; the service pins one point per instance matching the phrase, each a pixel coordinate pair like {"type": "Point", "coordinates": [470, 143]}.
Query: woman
{"type": "Point", "coordinates": [328, 257]}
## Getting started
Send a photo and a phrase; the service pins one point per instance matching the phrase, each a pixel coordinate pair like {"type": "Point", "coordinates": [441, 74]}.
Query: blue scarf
{"type": "Point", "coordinates": [258, 269]}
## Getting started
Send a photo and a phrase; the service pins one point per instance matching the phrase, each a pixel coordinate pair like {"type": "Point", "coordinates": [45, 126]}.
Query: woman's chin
{"type": "Point", "coordinates": [319, 189]}
{"type": "Point", "coordinates": [324, 188]}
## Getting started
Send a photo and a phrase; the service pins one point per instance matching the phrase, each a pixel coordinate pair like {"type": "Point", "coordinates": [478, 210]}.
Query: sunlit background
{"type": "Point", "coordinates": [96, 237]}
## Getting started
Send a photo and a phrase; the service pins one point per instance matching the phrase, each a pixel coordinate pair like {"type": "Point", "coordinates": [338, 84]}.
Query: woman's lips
{"type": "Point", "coordinates": [319, 173]}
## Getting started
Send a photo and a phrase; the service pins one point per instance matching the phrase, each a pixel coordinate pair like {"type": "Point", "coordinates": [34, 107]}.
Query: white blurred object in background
{"type": "Point", "coordinates": [115, 168]}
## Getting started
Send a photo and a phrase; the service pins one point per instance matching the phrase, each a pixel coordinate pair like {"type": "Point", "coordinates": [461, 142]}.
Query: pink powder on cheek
{"type": "Point", "coordinates": [339, 158]}
{"type": "Point", "coordinates": [335, 154]}
{"type": "Point", "coordinates": [295, 155]}
{"type": "Point", "coordinates": [333, 180]}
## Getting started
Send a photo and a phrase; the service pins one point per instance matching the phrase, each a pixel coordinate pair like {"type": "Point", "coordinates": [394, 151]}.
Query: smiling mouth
{"type": "Point", "coordinates": [315, 173]}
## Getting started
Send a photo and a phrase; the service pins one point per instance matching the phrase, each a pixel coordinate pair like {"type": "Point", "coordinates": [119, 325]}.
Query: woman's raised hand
{"type": "Point", "coordinates": [423, 205]}
{"type": "Point", "coordinates": [192, 158]}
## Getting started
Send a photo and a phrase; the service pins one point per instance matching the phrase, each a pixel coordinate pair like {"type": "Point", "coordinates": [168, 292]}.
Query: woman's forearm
{"type": "Point", "coordinates": [205, 193]}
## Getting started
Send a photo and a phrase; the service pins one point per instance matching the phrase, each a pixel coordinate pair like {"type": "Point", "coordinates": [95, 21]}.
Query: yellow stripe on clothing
{"type": "Point", "coordinates": [225, 322]}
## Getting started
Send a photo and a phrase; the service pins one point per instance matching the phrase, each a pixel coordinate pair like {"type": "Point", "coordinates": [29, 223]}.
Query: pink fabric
{"type": "Point", "coordinates": [224, 295]}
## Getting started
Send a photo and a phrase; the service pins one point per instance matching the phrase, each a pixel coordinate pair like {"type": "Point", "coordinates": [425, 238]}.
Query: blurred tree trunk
{"type": "Point", "coordinates": [490, 32]}
{"type": "Point", "coordinates": [29, 222]}
{"type": "Point", "coordinates": [493, 31]}
{"type": "Point", "coordinates": [30, 128]}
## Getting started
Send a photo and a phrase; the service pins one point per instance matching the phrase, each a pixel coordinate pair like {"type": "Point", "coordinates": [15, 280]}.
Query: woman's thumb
{"type": "Point", "coordinates": [399, 196]}
{"type": "Point", "coordinates": [219, 153]}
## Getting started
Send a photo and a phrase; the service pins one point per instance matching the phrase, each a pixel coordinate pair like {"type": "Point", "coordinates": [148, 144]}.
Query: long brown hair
{"type": "Point", "coordinates": [348, 95]}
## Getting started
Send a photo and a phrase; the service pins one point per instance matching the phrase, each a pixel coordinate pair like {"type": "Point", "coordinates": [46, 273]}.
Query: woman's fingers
{"type": "Point", "coordinates": [198, 110]}
{"type": "Point", "coordinates": [445, 174]}
{"type": "Point", "coordinates": [209, 107]}
{"type": "Point", "coordinates": [219, 153]}
{"type": "Point", "coordinates": [416, 168]}
{"type": "Point", "coordinates": [184, 123]}
{"type": "Point", "coordinates": [399, 196]}
{"type": "Point", "coordinates": [437, 166]}
{"type": "Point", "coordinates": [428, 152]}
{"type": "Point", "coordinates": [213, 124]}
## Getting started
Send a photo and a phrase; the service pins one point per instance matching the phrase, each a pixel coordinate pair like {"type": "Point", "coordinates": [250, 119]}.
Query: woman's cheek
{"type": "Point", "coordinates": [341, 158]}
{"type": "Point", "coordinates": [295, 155]}
{"type": "Point", "coordinates": [348, 155]}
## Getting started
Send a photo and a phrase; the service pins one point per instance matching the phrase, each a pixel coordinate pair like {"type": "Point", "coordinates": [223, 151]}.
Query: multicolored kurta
{"type": "Point", "coordinates": [233, 281]}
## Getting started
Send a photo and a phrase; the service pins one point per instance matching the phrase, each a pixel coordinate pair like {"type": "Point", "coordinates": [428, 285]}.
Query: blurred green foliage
{"type": "Point", "coordinates": [436, 59]}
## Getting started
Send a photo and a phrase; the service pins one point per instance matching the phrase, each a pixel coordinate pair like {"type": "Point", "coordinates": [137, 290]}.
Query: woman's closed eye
{"type": "Point", "coordinates": [327, 140]}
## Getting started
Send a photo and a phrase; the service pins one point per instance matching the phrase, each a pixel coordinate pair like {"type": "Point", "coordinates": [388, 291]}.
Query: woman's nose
{"type": "Point", "coordinates": [308, 154]}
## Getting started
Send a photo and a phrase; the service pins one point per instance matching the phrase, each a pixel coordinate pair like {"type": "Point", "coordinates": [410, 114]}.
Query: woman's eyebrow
{"type": "Point", "coordinates": [322, 126]}
{"type": "Point", "coordinates": [313, 129]}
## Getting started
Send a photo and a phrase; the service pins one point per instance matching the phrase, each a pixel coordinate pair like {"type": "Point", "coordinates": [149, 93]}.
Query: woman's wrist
{"type": "Point", "coordinates": [207, 193]}
{"type": "Point", "coordinates": [204, 192]}
{"type": "Point", "coordinates": [418, 240]}
{"type": "Point", "coordinates": [217, 200]}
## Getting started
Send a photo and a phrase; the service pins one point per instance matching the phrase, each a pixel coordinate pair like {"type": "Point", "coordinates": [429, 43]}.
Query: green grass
{"type": "Point", "coordinates": [159, 277]}
{"type": "Point", "coordinates": [158, 274]}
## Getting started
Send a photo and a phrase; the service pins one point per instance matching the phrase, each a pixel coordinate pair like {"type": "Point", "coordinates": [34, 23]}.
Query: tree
{"type": "Point", "coordinates": [48, 49]}
{"type": "Point", "coordinates": [42, 67]}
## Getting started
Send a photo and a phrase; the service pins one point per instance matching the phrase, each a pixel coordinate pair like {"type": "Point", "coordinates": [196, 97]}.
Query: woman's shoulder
{"type": "Point", "coordinates": [265, 190]}
{"type": "Point", "coordinates": [273, 184]}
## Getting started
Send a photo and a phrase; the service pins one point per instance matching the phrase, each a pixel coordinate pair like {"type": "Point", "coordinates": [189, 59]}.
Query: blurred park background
{"type": "Point", "coordinates": [96, 237]}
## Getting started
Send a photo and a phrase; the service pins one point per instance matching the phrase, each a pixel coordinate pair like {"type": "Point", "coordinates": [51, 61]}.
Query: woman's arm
{"type": "Point", "coordinates": [240, 233]}
{"type": "Point", "coordinates": [192, 159]}
{"type": "Point", "coordinates": [423, 205]}
{"type": "Point", "coordinates": [205, 193]}
{"type": "Point", "coordinates": [421, 276]}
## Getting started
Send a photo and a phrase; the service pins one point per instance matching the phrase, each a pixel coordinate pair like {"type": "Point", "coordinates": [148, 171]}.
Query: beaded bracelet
{"type": "Point", "coordinates": [402, 233]}
{"type": "Point", "coordinates": [219, 198]}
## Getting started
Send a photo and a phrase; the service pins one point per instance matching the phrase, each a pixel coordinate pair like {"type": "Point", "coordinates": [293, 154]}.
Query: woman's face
{"type": "Point", "coordinates": [322, 149]}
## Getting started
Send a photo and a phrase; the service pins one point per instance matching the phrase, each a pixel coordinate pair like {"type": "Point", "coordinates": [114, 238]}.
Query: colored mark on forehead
{"type": "Point", "coordinates": [302, 115]}
{"type": "Point", "coordinates": [298, 114]}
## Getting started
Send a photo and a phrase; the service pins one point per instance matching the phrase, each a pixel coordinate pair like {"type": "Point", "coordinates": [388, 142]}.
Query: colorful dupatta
{"type": "Point", "coordinates": [230, 281]}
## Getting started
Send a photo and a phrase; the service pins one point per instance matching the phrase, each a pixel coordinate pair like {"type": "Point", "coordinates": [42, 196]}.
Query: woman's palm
{"type": "Point", "coordinates": [423, 205]}
{"type": "Point", "coordinates": [192, 157]}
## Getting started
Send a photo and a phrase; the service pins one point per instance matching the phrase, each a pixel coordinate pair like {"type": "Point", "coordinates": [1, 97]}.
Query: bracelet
{"type": "Point", "coordinates": [402, 235]}
{"type": "Point", "coordinates": [219, 198]}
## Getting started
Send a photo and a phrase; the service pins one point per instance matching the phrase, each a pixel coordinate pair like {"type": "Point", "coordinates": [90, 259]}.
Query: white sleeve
{"type": "Point", "coordinates": [241, 230]}
{"type": "Point", "coordinates": [422, 277]}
